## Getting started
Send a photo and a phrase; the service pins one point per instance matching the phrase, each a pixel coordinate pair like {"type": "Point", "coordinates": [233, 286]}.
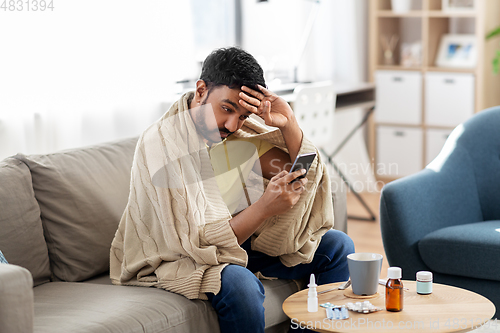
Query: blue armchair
{"type": "Point", "coordinates": [446, 218]}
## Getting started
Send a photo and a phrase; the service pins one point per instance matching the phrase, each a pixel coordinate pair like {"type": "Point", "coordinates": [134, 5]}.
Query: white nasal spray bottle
{"type": "Point", "coordinates": [312, 296]}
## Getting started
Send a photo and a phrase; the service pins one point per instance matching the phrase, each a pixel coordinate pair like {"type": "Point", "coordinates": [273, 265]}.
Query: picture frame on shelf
{"type": "Point", "coordinates": [411, 54]}
{"type": "Point", "coordinates": [457, 51]}
{"type": "Point", "coordinates": [458, 5]}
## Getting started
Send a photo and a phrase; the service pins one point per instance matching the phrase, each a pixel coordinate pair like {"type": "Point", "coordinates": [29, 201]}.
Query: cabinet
{"type": "Point", "coordinates": [394, 143]}
{"type": "Point", "coordinates": [399, 97]}
{"type": "Point", "coordinates": [449, 98]}
{"type": "Point", "coordinates": [419, 103]}
{"type": "Point", "coordinates": [435, 139]}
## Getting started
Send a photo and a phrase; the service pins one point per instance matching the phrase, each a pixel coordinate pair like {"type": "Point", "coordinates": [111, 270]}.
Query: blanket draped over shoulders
{"type": "Point", "coordinates": [175, 233]}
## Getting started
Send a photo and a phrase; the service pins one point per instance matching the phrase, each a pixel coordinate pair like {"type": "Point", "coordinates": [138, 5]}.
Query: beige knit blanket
{"type": "Point", "coordinates": [175, 232]}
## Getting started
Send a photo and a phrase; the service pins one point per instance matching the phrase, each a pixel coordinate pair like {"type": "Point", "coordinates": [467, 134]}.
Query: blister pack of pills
{"type": "Point", "coordinates": [329, 305]}
{"type": "Point", "coordinates": [335, 311]}
{"type": "Point", "coordinates": [365, 307]}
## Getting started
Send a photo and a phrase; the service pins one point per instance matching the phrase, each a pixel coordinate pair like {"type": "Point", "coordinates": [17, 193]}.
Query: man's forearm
{"type": "Point", "coordinates": [248, 221]}
{"type": "Point", "coordinates": [293, 138]}
{"type": "Point", "coordinates": [279, 197]}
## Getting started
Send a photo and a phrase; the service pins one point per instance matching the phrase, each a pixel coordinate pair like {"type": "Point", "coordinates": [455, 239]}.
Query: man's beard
{"type": "Point", "coordinates": [202, 127]}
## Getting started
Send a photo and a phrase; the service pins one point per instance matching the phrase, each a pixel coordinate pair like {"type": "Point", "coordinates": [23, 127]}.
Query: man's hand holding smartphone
{"type": "Point", "coordinates": [303, 161]}
{"type": "Point", "coordinates": [284, 189]}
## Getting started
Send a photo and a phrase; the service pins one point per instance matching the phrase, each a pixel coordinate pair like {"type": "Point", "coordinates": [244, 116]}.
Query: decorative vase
{"type": "Point", "coordinates": [401, 6]}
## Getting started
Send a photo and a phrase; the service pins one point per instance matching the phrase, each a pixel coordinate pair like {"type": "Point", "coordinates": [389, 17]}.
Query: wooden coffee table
{"type": "Point", "coordinates": [447, 309]}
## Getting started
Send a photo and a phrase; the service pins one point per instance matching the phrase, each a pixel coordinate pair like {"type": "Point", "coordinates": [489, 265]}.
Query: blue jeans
{"type": "Point", "coordinates": [239, 303]}
{"type": "Point", "coordinates": [2, 258]}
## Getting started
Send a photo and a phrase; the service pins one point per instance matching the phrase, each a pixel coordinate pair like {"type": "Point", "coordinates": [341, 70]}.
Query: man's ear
{"type": "Point", "coordinates": [201, 90]}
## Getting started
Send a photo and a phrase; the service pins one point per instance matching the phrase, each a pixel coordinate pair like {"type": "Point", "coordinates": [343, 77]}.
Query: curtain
{"type": "Point", "coordinates": [89, 71]}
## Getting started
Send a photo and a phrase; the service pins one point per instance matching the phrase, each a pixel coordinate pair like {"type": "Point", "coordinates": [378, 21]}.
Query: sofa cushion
{"type": "Point", "coordinates": [82, 194]}
{"type": "Point", "coordinates": [89, 307]}
{"type": "Point", "coordinates": [470, 250]}
{"type": "Point", "coordinates": [21, 233]}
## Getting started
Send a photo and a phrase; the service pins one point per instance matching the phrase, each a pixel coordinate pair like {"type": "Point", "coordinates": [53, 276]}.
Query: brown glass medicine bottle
{"type": "Point", "coordinates": [394, 290]}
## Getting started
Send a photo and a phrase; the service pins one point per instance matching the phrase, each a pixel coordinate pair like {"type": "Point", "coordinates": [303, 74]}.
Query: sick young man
{"type": "Point", "coordinates": [212, 207]}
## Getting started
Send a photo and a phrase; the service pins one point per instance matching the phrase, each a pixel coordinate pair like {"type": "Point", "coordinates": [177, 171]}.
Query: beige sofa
{"type": "Point", "coordinates": [58, 216]}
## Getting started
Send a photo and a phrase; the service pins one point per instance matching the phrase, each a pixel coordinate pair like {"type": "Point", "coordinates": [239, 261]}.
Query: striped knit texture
{"type": "Point", "coordinates": [175, 232]}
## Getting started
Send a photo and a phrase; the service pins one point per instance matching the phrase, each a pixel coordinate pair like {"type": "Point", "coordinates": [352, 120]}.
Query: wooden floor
{"type": "Point", "coordinates": [366, 234]}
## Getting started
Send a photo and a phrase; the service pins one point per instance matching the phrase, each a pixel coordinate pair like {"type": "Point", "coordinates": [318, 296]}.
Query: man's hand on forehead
{"type": "Point", "coordinates": [253, 100]}
{"type": "Point", "coordinates": [273, 109]}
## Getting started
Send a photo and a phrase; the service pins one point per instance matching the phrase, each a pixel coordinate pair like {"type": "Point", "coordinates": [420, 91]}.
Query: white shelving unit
{"type": "Point", "coordinates": [417, 107]}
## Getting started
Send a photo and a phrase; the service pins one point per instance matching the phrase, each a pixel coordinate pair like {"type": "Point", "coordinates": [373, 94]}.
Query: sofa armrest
{"type": "Point", "coordinates": [16, 299]}
{"type": "Point", "coordinates": [439, 196]}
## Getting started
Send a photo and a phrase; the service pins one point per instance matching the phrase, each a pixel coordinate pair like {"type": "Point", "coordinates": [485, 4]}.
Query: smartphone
{"type": "Point", "coordinates": [303, 161]}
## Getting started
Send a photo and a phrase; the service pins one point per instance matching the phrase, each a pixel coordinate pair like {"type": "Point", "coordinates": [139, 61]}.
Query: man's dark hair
{"type": "Point", "coordinates": [232, 67]}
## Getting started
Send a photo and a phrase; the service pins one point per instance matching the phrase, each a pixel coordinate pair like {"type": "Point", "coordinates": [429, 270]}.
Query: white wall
{"type": "Point", "coordinates": [351, 40]}
{"type": "Point", "coordinates": [270, 31]}
{"type": "Point", "coordinates": [337, 49]}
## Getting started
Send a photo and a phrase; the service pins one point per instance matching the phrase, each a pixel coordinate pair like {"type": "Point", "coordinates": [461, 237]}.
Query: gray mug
{"type": "Point", "coordinates": [364, 269]}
